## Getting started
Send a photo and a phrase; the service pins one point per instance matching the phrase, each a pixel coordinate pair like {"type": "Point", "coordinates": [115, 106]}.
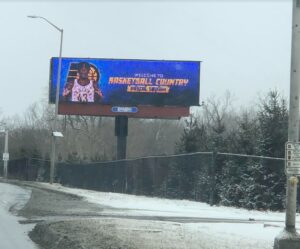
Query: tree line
{"type": "Point", "coordinates": [216, 126]}
{"type": "Point", "coordinates": [240, 181]}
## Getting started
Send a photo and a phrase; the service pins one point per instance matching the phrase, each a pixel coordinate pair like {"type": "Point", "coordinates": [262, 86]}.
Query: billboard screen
{"type": "Point", "coordinates": [126, 82]}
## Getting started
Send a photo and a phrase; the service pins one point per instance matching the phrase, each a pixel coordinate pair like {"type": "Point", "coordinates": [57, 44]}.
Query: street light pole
{"type": "Point", "coordinates": [52, 167]}
{"type": "Point", "coordinates": [53, 137]}
{"type": "Point", "coordinates": [5, 154]}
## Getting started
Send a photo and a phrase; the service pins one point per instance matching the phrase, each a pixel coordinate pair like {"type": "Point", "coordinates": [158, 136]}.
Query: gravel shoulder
{"type": "Point", "coordinates": [81, 234]}
{"type": "Point", "coordinates": [66, 221]}
{"type": "Point", "coordinates": [45, 203]}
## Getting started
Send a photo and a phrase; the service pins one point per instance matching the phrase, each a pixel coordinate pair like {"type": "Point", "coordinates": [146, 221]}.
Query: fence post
{"type": "Point", "coordinates": [27, 169]}
{"type": "Point", "coordinates": [213, 178]}
{"type": "Point", "coordinates": [126, 178]}
{"type": "Point", "coordinates": [30, 170]}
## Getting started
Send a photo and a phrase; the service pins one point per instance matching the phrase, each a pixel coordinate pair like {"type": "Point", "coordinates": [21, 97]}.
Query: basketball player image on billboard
{"type": "Point", "coordinates": [82, 84]}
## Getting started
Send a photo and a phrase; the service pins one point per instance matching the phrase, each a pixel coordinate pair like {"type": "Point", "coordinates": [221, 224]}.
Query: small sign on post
{"type": "Point", "coordinates": [5, 156]}
{"type": "Point", "coordinates": [292, 158]}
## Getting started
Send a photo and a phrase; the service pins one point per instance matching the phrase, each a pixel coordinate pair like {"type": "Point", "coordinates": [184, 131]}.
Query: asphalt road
{"type": "Point", "coordinates": [13, 235]}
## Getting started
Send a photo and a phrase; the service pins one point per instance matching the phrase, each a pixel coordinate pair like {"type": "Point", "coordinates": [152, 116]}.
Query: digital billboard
{"type": "Point", "coordinates": [126, 82]}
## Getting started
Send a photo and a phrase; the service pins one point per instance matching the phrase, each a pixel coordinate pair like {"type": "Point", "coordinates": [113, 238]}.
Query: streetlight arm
{"type": "Point", "coordinates": [60, 30]}
{"type": "Point", "coordinates": [45, 19]}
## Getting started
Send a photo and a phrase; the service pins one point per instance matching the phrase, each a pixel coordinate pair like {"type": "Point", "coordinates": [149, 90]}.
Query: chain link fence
{"type": "Point", "coordinates": [27, 169]}
{"type": "Point", "coordinates": [253, 182]}
{"type": "Point", "coordinates": [248, 181]}
{"type": "Point", "coordinates": [166, 176]}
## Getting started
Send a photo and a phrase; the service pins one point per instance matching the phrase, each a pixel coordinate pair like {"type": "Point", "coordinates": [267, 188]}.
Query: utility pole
{"type": "Point", "coordinates": [289, 238]}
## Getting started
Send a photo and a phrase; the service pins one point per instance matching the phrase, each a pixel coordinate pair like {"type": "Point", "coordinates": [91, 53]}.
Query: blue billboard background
{"type": "Point", "coordinates": [129, 82]}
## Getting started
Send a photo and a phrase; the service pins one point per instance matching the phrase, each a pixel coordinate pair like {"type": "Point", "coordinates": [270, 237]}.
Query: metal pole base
{"type": "Point", "coordinates": [5, 172]}
{"type": "Point", "coordinates": [52, 166]}
{"type": "Point", "coordinates": [287, 240]}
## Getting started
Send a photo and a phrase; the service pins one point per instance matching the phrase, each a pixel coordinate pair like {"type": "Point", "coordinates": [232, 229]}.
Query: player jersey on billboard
{"type": "Point", "coordinates": [83, 93]}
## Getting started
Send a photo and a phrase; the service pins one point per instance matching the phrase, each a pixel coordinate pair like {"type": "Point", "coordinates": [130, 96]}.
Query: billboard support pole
{"type": "Point", "coordinates": [289, 238]}
{"type": "Point", "coordinates": [121, 131]}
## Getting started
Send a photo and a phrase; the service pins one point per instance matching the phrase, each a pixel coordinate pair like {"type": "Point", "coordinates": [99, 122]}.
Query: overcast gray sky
{"type": "Point", "coordinates": [244, 45]}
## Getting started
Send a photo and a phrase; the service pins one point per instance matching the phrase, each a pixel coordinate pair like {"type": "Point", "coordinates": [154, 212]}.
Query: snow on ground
{"type": "Point", "coordinates": [12, 234]}
{"type": "Point", "coordinates": [234, 236]}
{"type": "Point", "coordinates": [172, 235]}
{"type": "Point", "coordinates": [141, 205]}
{"type": "Point", "coordinates": [188, 235]}
{"type": "Point", "coordinates": [151, 234]}
{"type": "Point", "coordinates": [221, 235]}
